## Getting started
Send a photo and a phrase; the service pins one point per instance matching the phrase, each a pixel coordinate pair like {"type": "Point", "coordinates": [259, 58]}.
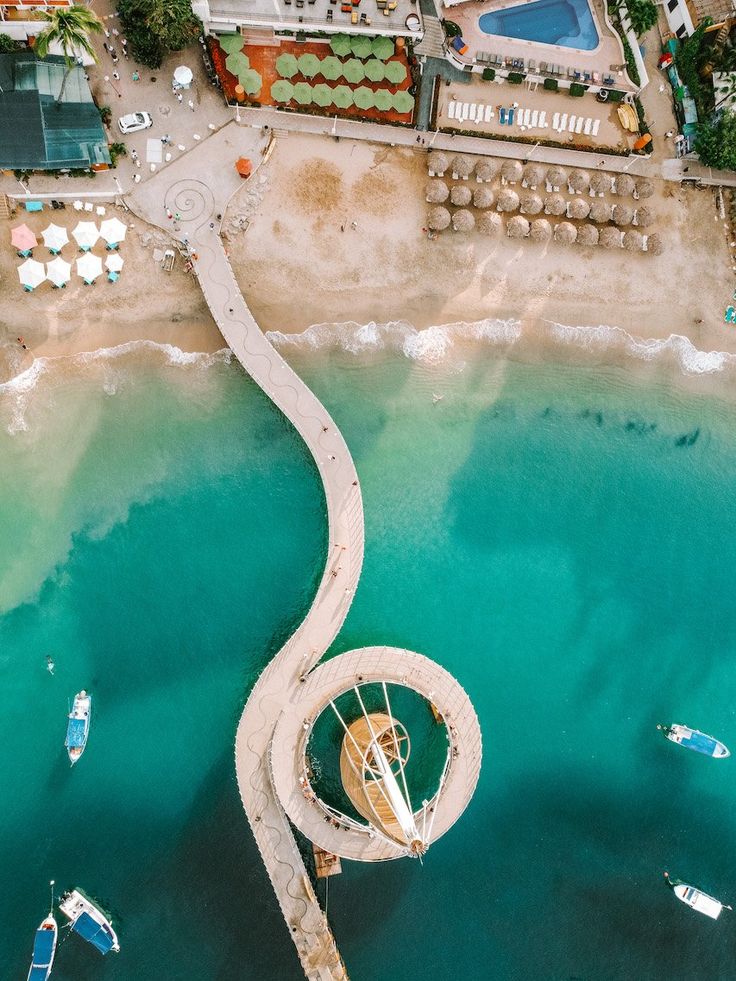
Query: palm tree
{"type": "Point", "coordinates": [69, 27]}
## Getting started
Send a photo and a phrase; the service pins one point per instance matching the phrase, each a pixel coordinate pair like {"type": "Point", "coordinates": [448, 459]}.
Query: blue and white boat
{"type": "Point", "coordinates": [77, 729]}
{"type": "Point", "coordinates": [44, 946]}
{"type": "Point", "coordinates": [696, 740]}
{"type": "Point", "coordinates": [89, 921]}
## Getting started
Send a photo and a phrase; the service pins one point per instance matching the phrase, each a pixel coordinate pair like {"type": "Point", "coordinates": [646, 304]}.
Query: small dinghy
{"type": "Point", "coordinates": [77, 729]}
{"type": "Point", "coordinates": [696, 740]}
{"type": "Point", "coordinates": [44, 946]}
{"type": "Point", "coordinates": [696, 899]}
{"type": "Point", "coordinates": [88, 920]}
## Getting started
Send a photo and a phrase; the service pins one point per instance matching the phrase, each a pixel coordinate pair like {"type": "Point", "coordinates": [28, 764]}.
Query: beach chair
{"type": "Point", "coordinates": [532, 66]}
{"type": "Point", "coordinates": [510, 118]}
{"type": "Point", "coordinates": [579, 125]}
{"type": "Point", "coordinates": [563, 122]}
{"type": "Point", "coordinates": [88, 206]}
{"type": "Point", "coordinates": [502, 116]}
{"type": "Point", "coordinates": [78, 205]}
{"type": "Point", "coordinates": [571, 124]}
{"type": "Point", "coordinates": [451, 107]}
{"type": "Point", "coordinates": [535, 119]}
{"type": "Point", "coordinates": [543, 124]}
{"type": "Point", "coordinates": [489, 113]}
{"type": "Point", "coordinates": [556, 122]}
{"type": "Point", "coordinates": [471, 114]}
{"type": "Point", "coordinates": [588, 124]}
{"type": "Point", "coordinates": [596, 127]}
{"type": "Point", "coordinates": [543, 66]}
{"type": "Point", "coordinates": [571, 74]}
{"type": "Point", "coordinates": [527, 117]}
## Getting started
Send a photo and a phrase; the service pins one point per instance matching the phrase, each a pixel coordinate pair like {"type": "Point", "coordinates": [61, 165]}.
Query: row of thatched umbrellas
{"type": "Point", "coordinates": [535, 175]}
{"type": "Point", "coordinates": [542, 230]}
{"type": "Point", "coordinates": [531, 203]}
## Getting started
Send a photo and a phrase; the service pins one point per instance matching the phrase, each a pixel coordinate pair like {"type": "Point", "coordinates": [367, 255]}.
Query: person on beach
{"type": "Point", "coordinates": [22, 343]}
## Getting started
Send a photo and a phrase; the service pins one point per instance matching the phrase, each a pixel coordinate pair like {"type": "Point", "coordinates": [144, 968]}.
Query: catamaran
{"type": "Point", "coordinates": [694, 739]}
{"type": "Point", "coordinates": [89, 921]}
{"type": "Point", "coordinates": [44, 946]}
{"type": "Point", "coordinates": [696, 899]}
{"type": "Point", "coordinates": [77, 728]}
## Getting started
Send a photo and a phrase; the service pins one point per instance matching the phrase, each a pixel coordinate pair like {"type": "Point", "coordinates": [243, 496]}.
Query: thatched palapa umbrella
{"type": "Point", "coordinates": [655, 245]}
{"type": "Point", "coordinates": [436, 191]}
{"type": "Point", "coordinates": [460, 195]}
{"type": "Point", "coordinates": [508, 200]}
{"type": "Point", "coordinates": [578, 181]}
{"type": "Point", "coordinates": [600, 184]}
{"type": "Point", "coordinates": [624, 185]}
{"type": "Point", "coordinates": [555, 204]}
{"type": "Point", "coordinates": [633, 241]}
{"type": "Point", "coordinates": [482, 197]}
{"type": "Point", "coordinates": [587, 235]}
{"type": "Point", "coordinates": [565, 233]}
{"type": "Point", "coordinates": [437, 163]}
{"type": "Point", "coordinates": [485, 170]}
{"type": "Point", "coordinates": [511, 171]}
{"type": "Point", "coordinates": [643, 189]}
{"type": "Point", "coordinates": [517, 227]}
{"type": "Point", "coordinates": [610, 238]}
{"type": "Point", "coordinates": [541, 230]}
{"type": "Point", "coordinates": [531, 203]}
{"type": "Point", "coordinates": [438, 219]}
{"type": "Point", "coordinates": [556, 177]}
{"type": "Point", "coordinates": [600, 212]}
{"type": "Point", "coordinates": [644, 217]}
{"type": "Point", "coordinates": [463, 221]}
{"type": "Point", "coordinates": [461, 167]}
{"type": "Point", "coordinates": [533, 176]}
{"type": "Point", "coordinates": [578, 208]}
{"type": "Point", "coordinates": [489, 223]}
{"type": "Point", "coordinates": [622, 214]}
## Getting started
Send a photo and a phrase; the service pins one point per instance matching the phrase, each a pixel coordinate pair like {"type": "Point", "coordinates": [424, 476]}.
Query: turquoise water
{"type": "Point", "coordinates": [562, 541]}
{"type": "Point", "coordinates": [568, 23]}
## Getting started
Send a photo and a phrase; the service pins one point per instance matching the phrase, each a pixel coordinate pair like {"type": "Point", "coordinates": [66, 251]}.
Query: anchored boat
{"type": "Point", "coordinates": [694, 739]}
{"type": "Point", "coordinates": [696, 899]}
{"type": "Point", "coordinates": [44, 946]}
{"type": "Point", "coordinates": [89, 921]}
{"type": "Point", "coordinates": [77, 728]}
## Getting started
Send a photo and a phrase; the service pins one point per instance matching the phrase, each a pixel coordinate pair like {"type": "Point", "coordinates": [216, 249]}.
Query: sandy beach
{"type": "Point", "coordinates": [297, 266]}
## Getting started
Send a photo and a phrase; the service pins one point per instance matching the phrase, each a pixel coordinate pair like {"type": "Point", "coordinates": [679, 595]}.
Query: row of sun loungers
{"type": "Point", "coordinates": [545, 68]}
{"type": "Point", "coordinates": [524, 118]}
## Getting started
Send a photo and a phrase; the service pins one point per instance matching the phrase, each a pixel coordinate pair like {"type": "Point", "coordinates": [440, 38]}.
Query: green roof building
{"type": "Point", "coordinates": [39, 133]}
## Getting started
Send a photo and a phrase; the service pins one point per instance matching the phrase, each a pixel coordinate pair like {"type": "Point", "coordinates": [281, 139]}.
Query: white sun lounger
{"type": "Point", "coordinates": [451, 107]}
{"type": "Point", "coordinates": [462, 112]}
{"type": "Point", "coordinates": [571, 124]}
{"type": "Point", "coordinates": [579, 125]}
{"type": "Point", "coordinates": [489, 113]}
{"type": "Point", "coordinates": [588, 124]}
{"type": "Point", "coordinates": [535, 119]}
{"type": "Point", "coordinates": [543, 124]}
{"type": "Point", "coordinates": [563, 122]}
{"type": "Point", "coordinates": [556, 122]}
{"type": "Point", "coordinates": [527, 117]}
{"type": "Point", "coordinates": [596, 127]}
{"type": "Point", "coordinates": [472, 111]}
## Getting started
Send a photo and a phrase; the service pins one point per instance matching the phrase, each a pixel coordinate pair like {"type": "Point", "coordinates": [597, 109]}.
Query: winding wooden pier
{"type": "Point", "coordinates": [269, 754]}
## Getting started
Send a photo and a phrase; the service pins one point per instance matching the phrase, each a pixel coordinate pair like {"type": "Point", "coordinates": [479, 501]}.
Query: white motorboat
{"type": "Point", "coordinates": [695, 899]}
{"type": "Point", "coordinates": [89, 921]}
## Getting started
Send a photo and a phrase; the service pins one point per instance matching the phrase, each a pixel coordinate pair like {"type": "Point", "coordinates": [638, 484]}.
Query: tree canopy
{"type": "Point", "coordinates": [155, 27]}
{"type": "Point", "coordinates": [716, 142]}
{"type": "Point", "coordinates": [643, 14]}
{"type": "Point", "coordinates": [70, 28]}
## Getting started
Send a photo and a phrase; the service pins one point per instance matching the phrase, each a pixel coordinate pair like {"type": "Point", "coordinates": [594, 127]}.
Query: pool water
{"type": "Point", "coordinates": [565, 22]}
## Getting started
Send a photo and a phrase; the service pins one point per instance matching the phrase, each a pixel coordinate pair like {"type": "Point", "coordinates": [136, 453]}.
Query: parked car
{"type": "Point", "coordinates": [134, 121]}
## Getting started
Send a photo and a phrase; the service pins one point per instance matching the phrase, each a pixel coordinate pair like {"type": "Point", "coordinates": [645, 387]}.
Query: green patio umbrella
{"type": "Point", "coordinates": [282, 91]}
{"type": "Point", "coordinates": [361, 46]}
{"type": "Point", "coordinates": [342, 97]}
{"type": "Point", "coordinates": [286, 65]}
{"type": "Point", "coordinates": [322, 95]}
{"type": "Point", "coordinates": [237, 63]}
{"type": "Point", "coordinates": [374, 70]}
{"type": "Point", "coordinates": [383, 100]}
{"type": "Point", "coordinates": [402, 102]}
{"type": "Point", "coordinates": [308, 65]}
{"type": "Point", "coordinates": [382, 47]}
{"type": "Point", "coordinates": [364, 97]}
{"type": "Point", "coordinates": [353, 71]}
{"type": "Point", "coordinates": [395, 72]}
{"type": "Point", "coordinates": [340, 44]}
{"type": "Point", "coordinates": [331, 68]}
{"type": "Point", "coordinates": [231, 43]}
{"type": "Point", "coordinates": [251, 81]}
{"type": "Point", "coordinates": [303, 93]}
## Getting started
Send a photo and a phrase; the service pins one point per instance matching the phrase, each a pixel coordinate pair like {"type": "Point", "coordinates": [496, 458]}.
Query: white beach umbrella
{"type": "Point", "coordinates": [55, 237]}
{"type": "Point", "coordinates": [89, 267]}
{"type": "Point", "coordinates": [31, 273]}
{"type": "Point", "coordinates": [113, 230]}
{"type": "Point", "coordinates": [59, 271]}
{"type": "Point", "coordinates": [183, 76]}
{"type": "Point", "coordinates": [114, 262]}
{"type": "Point", "coordinates": [86, 234]}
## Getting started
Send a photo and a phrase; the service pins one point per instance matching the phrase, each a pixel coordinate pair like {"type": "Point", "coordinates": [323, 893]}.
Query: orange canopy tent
{"type": "Point", "coordinates": [244, 167]}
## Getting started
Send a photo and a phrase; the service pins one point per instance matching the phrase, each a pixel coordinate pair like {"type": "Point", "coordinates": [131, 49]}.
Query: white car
{"type": "Point", "coordinates": [134, 121]}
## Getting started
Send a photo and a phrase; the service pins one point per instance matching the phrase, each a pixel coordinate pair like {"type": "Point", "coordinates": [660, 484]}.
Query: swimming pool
{"type": "Point", "coordinates": [565, 22]}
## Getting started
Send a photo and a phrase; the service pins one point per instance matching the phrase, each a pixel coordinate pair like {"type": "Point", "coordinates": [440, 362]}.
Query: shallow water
{"type": "Point", "coordinates": [561, 540]}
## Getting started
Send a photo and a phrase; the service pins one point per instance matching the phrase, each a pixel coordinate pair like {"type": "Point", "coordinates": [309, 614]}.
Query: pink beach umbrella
{"type": "Point", "coordinates": [23, 238]}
